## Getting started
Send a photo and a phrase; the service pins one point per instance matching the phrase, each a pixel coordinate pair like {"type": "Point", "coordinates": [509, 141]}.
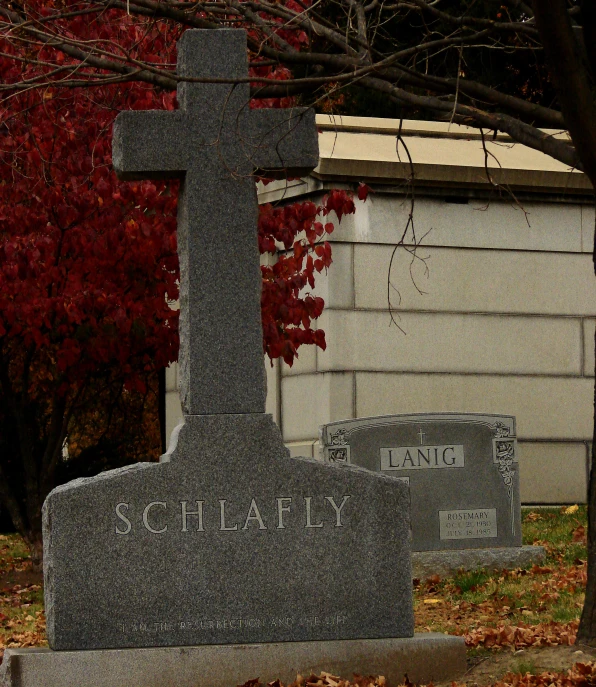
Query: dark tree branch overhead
{"type": "Point", "coordinates": [571, 79]}
{"type": "Point", "coordinates": [350, 45]}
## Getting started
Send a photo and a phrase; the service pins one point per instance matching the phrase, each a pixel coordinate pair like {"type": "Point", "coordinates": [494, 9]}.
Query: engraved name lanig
{"type": "Point", "coordinates": [415, 463]}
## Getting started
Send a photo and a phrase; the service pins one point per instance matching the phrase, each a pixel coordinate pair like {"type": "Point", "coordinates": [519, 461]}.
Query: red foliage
{"type": "Point", "coordinates": [363, 191]}
{"type": "Point", "coordinates": [286, 314]}
{"type": "Point", "coordinates": [87, 263]}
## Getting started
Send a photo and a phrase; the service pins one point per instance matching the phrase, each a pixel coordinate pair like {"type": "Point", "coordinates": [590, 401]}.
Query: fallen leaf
{"type": "Point", "coordinates": [520, 636]}
{"type": "Point", "coordinates": [251, 683]}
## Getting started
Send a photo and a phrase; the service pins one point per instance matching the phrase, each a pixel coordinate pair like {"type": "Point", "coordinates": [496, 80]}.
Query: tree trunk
{"type": "Point", "coordinates": [35, 544]}
{"type": "Point", "coordinates": [24, 503]}
{"type": "Point", "coordinates": [586, 633]}
{"type": "Point", "coordinates": [573, 85]}
{"type": "Point", "coordinates": [26, 523]}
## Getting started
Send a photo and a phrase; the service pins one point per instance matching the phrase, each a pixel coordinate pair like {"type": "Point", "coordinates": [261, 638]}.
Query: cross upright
{"type": "Point", "coordinates": [215, 144]}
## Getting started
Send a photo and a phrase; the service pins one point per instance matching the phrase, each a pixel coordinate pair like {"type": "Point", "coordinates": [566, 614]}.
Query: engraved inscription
{"type": "Point", "coordinates": [231, 624]}
{"type": "Point", "coordinates": [160, 517]}
{"type": "Point", "coordinates": [476, 523]}
{"type": "Point", "coordinates": [422, 457]}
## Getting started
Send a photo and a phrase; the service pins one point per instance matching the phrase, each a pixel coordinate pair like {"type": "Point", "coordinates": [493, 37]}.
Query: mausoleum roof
{"type": "Point", "coordinates": [443, 155]}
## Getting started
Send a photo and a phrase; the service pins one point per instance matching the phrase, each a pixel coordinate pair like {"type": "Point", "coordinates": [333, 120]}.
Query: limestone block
{"type": "Point", "coordinates": [173, 412]}
{"type": "Point", "coordinates": [305, 363]}
{"type": "Point", "coordinates": [336, 286]}
{"type": "Point", "coordinates": [448, 159]}
{"type": "Point", "coordinates": [450, 343]}
{"type": "Point", "coordinates": [285, 189]}
{"type": "Point", "coordinates": [589, 326]}
{"type": "Point", "coordinates": [475, 281]}
{"type": "Point", "coordinates": [383, 218]}
{"type": "Point", "coordinates": [309, 401]}
{"type": "Point", "coordinates": [309, 449]}
{"type": "Point", "coordinates": [267, 259]}
{"type": "Point", "coordinates": [545, 408]}
{"type": "Point", "coordinates": [172, 377]}
{"type": "Point", "coordinates": [588, 228]}
{"type": "Point", "coordinates": [553, 472]}
{"type": "Point", "coordinates": [272, 399]}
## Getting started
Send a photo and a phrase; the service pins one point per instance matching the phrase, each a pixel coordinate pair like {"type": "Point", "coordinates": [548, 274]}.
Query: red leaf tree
{"type": "Point", "coordinates": [88, 265]}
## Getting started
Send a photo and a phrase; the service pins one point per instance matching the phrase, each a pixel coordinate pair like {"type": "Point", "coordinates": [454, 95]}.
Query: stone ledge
{"type": "Point", "coordinates": [424, 657]}
{"type": "Point", "coordinates": [443, 563]}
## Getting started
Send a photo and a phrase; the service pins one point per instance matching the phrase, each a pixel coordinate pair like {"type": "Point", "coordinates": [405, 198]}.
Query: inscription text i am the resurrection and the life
{"type": "Point", "coordinates": [232, 624]}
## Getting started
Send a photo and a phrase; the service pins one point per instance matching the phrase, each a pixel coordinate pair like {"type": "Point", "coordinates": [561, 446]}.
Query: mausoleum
{"type": "Point", "coordinates": [488, 304]}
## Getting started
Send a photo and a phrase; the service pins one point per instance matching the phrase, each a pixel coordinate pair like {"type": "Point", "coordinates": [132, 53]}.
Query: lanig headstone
{"type": "Point", "coordinates": [228, 540]}
{"type": "Point", "coordinates": [463, 475]}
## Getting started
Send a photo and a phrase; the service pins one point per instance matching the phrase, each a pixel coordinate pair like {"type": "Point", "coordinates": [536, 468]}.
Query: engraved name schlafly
{"type": "Point", "coordinates": [159, 517]}
{"type": "Point", "coordinates": [422, 457]}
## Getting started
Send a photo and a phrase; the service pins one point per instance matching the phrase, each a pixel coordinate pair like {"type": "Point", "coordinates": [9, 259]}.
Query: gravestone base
{"type": "Point", "coordinates": [424, 658]}
{"type": "Point", "coordinates": [445, 563]}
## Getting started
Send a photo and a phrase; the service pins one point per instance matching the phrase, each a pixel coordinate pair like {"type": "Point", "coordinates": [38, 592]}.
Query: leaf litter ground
{"type": "Point", "coordinates": [519, 625]}
{"type": "Point", "coordinates": [538, 606]}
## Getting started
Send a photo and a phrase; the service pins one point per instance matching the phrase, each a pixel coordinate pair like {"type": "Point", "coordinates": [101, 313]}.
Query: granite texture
{"type": "Point", "coordinates": [424, 658]}
{"type": "Point", "coordinates": [462, 471]}
{"type": "Point", "coordinates": [215, 144]}
{"type": "Point", "coordinates": [425, 564]}
{"type": "Point", "coordinates": [228, 540]}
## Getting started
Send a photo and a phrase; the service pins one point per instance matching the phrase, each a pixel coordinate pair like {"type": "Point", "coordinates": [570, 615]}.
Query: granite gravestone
{"type": "Point", "coordinates": [227, 540]}
{"type": "Point", "coordinates": [462, 471]}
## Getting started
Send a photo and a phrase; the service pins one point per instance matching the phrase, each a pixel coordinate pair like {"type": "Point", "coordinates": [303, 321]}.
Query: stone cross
{"type": "Point", "coordinates": [221, 542]}
{"type": "Point", "coordinates": [215, 144]}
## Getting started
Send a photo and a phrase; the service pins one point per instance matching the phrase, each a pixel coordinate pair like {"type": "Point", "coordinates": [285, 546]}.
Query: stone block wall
{"type": "Point", "coordinates": [504, 324]}
{"type": "Point", "coordinates": [495, 310]}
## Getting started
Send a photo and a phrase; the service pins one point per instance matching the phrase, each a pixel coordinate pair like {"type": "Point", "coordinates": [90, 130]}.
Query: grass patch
{"type": "Point", "coordinates": [560, 530]}
{"type": "Point", "coordinates": [553, 592]}
{"type": "Point", "coordinates": [22, 620]}
{"type": "Point", "coordinates": [14, 553]}
{"type": "Point", "coordinates": [524, 667]}
{"type": "Point", "coordinates": [470, 581]}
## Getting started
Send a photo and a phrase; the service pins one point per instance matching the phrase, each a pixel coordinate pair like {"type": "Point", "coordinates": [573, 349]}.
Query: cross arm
{"type": "Point", "coordinates": [283, 143]}
{"type": "Point", "coordinates": [149, 145]}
